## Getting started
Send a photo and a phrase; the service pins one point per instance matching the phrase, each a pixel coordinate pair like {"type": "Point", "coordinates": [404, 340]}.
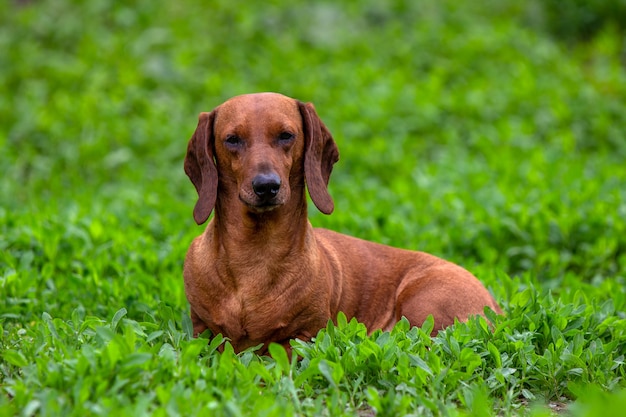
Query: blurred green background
{"type": "Point", "coordinates": [490, 133]}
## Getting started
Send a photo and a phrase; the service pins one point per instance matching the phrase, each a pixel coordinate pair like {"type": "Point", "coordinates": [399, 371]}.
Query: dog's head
{"type": "Point", "coordinates": [261, 145]}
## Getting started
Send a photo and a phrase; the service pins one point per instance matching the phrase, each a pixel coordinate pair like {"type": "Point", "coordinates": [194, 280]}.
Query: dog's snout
{"type": "Point", "coordinates": [266, 186]}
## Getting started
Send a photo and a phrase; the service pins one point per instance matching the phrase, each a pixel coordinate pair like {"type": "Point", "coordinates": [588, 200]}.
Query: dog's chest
{"type": "Point", "coordinates": [248, 322]}
{"type": "Point", "coordinates": [257, 301]}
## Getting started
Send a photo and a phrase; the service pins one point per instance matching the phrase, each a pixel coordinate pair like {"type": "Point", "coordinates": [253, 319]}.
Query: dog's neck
{"type": "Point", "coordinates": [250, 239]}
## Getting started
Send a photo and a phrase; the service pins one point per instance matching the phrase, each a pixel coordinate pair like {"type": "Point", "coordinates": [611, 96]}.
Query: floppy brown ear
{"type": "Point", "coordinates": [320, 154]}
{"type": "Point", "coordinates": [200, 167]}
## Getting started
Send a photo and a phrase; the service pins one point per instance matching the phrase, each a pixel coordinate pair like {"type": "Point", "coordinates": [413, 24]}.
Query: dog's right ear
{"type": "Point", "coordinates": [200, 167]}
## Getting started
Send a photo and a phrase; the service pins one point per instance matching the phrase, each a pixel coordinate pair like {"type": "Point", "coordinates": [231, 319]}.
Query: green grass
{"type": "Point", "coordinates": [481, 133]}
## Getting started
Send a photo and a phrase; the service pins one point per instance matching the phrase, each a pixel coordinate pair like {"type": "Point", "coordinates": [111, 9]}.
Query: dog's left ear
{"type": "Point", "coordinates": [200, 167]}
{"type": "Point", "coordinates": [320, 154]}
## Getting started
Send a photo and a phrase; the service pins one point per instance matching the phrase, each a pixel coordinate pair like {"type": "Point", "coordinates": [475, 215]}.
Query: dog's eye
{"type": "Point", "coordinates": [233, 140]}
{"type": "Point", "coordinates": [285, 137]}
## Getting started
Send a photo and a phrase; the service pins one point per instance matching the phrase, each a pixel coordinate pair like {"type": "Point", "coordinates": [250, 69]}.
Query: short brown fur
{"type": "Point", "coordinates": [260, 272]}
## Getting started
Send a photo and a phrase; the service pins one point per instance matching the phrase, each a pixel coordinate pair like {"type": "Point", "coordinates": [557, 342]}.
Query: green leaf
{"type": "Point", "coordinates": [50, 324]}
{"type": "Point", "coordinates": [117, 317]}
{"type": "Point", "coordinates": [216, 341]}
{"type": "Point", "coordinates": [15, 357]}
{"type": "Point", "coordinates": [495, 354]}
{"type": "Point", "coordinates": [331, 371]}
{"type": "Point", "coordinates": [420, 363]}
{"type": "Point", "coordinates": [454, 346]}
{"type": "Point", "coordinates": [280, 356]}
{"type": "Point", "coordinates": [308, 373]}
{"type": "Point", "coordinates": [154, 335]}
{"type": "Point", "coordinates": [342, 321]}
{"type": "Point", "coordinates": [136, 359]}
{"type": "Point", "coordinates": [429, 324]}
{"type": "Point", "coordinates": [105, 334]}
{"type": "Point", "coordinates": [187, 326]}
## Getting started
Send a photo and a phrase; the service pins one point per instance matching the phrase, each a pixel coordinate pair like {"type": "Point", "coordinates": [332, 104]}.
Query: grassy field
{"type": "Point", "coordinates": [485, 133]}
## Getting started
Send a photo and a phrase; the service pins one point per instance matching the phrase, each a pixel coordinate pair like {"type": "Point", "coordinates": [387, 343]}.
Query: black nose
{"type": "Point", "coordinates": [266, 186]}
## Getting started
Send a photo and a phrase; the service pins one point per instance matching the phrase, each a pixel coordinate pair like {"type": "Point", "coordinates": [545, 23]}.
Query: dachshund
{"type": "Point", "coordinates": [260, 273]}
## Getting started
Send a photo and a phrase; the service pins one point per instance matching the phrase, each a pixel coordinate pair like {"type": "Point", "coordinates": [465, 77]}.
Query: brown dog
{"type": "Point", "coordinates": [260, 273]}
